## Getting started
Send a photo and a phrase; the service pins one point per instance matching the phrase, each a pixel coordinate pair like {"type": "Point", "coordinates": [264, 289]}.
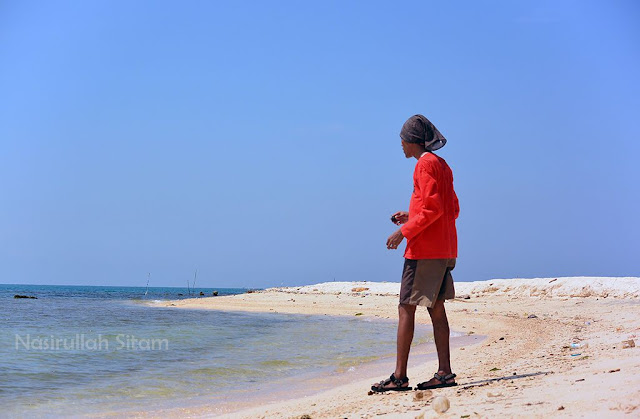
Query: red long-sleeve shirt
{"type": "Point", "coordinates": [433, 209]}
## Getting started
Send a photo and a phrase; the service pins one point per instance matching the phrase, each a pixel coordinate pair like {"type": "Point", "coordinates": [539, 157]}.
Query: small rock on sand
{"type": "Point", "coordinates": [422, 395]}
{"type": "Point", "coordinates": [628, 344]}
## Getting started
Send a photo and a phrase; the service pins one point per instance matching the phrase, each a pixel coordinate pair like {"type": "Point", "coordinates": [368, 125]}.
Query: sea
{"type": "Point", "coordinates": [105, 350]}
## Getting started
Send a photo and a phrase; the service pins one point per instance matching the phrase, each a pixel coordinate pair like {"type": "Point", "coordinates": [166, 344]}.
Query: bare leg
{"type": "Point", "coordinates": [406, 324]}
{"type": "Point", "coordinates": [441, 337]}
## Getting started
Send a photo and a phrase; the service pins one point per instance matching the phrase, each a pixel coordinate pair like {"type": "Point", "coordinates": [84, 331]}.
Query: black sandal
{"type": "Point", "coordinates": [380, 387]}
{"type": "Point", "coordinates": [443, 382]}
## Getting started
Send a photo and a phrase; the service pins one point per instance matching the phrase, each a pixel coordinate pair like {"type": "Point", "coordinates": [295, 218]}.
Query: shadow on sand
{"type": "Point", "coordinates": [508, 377]}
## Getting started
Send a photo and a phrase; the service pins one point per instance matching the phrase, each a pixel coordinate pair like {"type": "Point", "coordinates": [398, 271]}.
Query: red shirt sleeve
{"type": "Point", "coordinates": [430, 206]}
{"type": "Point", "coordinates": [456, 205]}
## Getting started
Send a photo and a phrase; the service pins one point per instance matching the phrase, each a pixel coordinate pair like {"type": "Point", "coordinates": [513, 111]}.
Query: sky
{"type": "Point", "coordinates": [257, 142]}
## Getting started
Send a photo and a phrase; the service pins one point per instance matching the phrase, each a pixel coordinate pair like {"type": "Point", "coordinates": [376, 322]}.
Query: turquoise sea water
{"type": "Point", "coordinates": [80, 350]}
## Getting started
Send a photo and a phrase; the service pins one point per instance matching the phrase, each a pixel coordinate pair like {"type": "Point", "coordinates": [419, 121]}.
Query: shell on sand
{"type": "Point", "coordinates": [440, 404]}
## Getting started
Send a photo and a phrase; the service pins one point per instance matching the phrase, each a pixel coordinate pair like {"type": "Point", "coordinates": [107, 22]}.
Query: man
{"type": "Point", "coordinates": [431, 252]}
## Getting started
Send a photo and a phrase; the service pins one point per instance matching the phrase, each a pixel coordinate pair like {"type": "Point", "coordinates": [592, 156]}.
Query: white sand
{"type": "Point", "coordinates": [529, 323]}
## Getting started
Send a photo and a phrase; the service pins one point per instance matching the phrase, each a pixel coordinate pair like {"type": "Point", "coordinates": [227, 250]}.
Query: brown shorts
{"type": "Point", "coordinates": [426, 280]}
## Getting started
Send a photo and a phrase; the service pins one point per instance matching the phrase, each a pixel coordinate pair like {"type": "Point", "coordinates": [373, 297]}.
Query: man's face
{"type": "Point", "coordinates": [406, 147]}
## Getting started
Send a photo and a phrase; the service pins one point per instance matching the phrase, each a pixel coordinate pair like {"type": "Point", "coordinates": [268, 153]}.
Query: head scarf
{"type": "Point", "coordinates": [419, 129]}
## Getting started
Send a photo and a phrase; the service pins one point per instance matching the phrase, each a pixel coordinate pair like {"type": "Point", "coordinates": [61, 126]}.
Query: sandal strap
{"type": "Point", "coordinates": [392, 379]}
{"type": "Point", "coordinates": [443, 378]}
{"type": "Point", "coordinates": [398, 381]}
{"type": "Point", "coordinates": [384, 382]}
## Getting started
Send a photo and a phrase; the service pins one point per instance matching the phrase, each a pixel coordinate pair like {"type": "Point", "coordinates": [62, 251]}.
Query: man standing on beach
{"type": "Point", "coordinates": [431, 252]}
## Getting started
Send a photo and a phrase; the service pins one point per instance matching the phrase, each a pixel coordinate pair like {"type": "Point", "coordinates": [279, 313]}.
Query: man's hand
{"type": "Point", "coordinates": [394, 240]}
{"type": "Point", "coordinates": [400, 217]}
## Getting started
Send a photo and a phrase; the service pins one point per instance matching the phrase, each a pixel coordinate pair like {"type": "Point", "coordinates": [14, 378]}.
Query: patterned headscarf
{"type": "Point", "coordinates": [419, 129]}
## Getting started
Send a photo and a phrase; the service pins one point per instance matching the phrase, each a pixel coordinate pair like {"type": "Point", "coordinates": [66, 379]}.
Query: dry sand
{"type": "Point", "coordinates": [529, 326]}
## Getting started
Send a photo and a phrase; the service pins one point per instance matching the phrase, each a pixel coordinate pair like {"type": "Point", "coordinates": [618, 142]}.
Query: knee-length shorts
{"type": "Point", "coordinates": [424, 281]}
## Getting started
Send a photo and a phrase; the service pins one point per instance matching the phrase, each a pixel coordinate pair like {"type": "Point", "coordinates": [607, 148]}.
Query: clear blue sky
{"type": "Point", "coordinates": [258, 141]}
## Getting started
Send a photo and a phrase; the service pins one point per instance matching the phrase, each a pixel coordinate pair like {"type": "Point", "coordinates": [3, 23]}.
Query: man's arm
{"type": "Point", "coordinates": [400, 217]}
{"type": "Point", "coordinates": [396, 238]}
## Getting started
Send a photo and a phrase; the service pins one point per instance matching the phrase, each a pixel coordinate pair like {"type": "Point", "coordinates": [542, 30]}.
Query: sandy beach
{"type": "Point", "coordinates": [524, 366]}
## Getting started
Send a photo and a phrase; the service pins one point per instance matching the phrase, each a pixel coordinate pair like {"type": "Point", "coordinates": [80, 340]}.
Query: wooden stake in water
{"type": "Point", "coordinates": [148, 277]}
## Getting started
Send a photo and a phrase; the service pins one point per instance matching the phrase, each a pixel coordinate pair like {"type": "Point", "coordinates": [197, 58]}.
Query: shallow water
{"type": "Point", "coordinates": [87, 350]}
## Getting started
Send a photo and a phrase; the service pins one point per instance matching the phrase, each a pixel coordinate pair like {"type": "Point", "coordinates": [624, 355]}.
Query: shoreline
{"type": "Point", "coordinates": [529, 327]}
{"type": "Point", "coordinates": [423, 350]}
{"type": "Point", "coordinates": [305, 386]}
